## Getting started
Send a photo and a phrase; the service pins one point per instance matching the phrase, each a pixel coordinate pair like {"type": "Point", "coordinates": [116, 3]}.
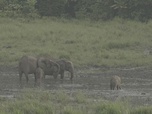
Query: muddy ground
{"type": "Point", "coordinates": [136, 84]}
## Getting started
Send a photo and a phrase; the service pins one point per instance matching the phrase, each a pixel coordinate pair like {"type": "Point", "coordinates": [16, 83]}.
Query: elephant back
{"type": "Point", "coordinates": [49, 67]}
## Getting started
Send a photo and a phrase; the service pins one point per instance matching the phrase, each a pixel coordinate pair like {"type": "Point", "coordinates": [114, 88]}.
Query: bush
{"type": "Point", "coordinates": [18, 8]}
{"type": "Point", "coordinates": [108, 9]}
{"type": "Point", "coordinates": [95, 9]}
{"type": "Point", "coordinates": [50, 7]}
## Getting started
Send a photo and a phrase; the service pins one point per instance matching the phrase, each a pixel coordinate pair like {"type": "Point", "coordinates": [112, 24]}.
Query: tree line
{"type": "Point", "coordinates": [140, 10]}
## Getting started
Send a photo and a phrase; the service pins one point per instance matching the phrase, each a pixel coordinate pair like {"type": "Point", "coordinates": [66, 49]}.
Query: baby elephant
{"type": "Point", "coordinates": [115, 82]}
{"type": "Point", "coordinates": [39, 75]}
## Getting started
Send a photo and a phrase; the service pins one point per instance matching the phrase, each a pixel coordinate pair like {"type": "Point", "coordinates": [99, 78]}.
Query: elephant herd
{"type": "Point", "coordinates": [42, 66]}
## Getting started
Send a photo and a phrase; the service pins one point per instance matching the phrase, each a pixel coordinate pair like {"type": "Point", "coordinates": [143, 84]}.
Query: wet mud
{"type": "Point", "coordinates": [136, 84]}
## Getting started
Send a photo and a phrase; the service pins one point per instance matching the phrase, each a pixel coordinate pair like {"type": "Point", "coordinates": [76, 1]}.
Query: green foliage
{"type": "Point", "coordinates": [50, 7]}
{"type": "Point", "coordinates": [37, 101]}
{"type": "Point", "coordinates": [111, 108]}
{"type": "Point", "coordinates": [108, 9]}
{"type": "Point", "coordinates": [62, 97]}
{"type": "Point", "coordinates": [28, 7]}
{"type": "Point", "coordinates": [18, 8]}
{"type": "Point", "coordinates": [28, 107]}
{"type": "Point", "coordinates": [3, 3]}
{"type": "Point", "coordinates": [80, 97]}
{"type": "Point", "coordinates": [93, 9]}
{"type": "Point", "coordinates": [142, 110]}
{"type": "Point", "coordinates": [71, 110]}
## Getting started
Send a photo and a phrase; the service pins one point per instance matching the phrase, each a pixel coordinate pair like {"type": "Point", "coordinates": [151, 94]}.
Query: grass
{"type": "Point", "coordinates": [111, 108]}
{"type": "Point", "coordinates": [117, 43]}
{"type": "Point", "coordinates": [36, 101]}
{"type": "Point", "coordinates": [142, 110]}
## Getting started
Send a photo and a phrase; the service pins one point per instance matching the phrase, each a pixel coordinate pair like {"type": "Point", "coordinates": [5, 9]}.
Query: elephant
{"type": "Point", "coordinates": [39, 75]}
{"type": "Point", "coordinates": [115, 82]}
{"type": "Point", "coordinates": [49, 67]}
{"type": "Point", "coordinates": [65, 65]}
{"type": "Point", "coordinates": [27, 65]}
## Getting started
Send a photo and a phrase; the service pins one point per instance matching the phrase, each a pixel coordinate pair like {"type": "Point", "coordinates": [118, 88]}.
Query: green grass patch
{"type": "Point", "coordinates": [28, 107]}
{"type": "Point", "coordinates": [80, 97]}
{"type": "Point", "coordinates": [111, 108]}
{"type": "Point", "coordinates": [37, 101]}
{"type": "Point", "coordinates": [114, 43]}
{"type": "Point", "coordinates": [142, 110]}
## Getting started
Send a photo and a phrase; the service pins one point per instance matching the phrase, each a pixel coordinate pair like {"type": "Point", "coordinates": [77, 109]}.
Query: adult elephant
{"type": "Point", "coordinates": [29, 64]}
{"type": "Point", "coordinates": [66, 65]}
{"type": "Point", "coordinates": [49, 67]}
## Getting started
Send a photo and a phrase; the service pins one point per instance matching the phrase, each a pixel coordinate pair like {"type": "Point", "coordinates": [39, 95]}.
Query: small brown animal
{"type": "Point", "coordinates": [39, 75]}
{"type": "Point", "coordinates": [115, 82]}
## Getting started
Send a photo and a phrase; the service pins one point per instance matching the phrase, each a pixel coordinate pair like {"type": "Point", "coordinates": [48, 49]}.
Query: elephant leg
{"type": "Point", "coordinates": [44, 76]}
{"type": "Point", "coordinates": [118, 87]}
{"type": "Point", "coordinates": [71, 75]}
{"type": "Point", "coordinates": [62, 75]}
{"type": "Point", "coordinates": [27, 79]}
{"type": "Point", "coordinates": [38, 82]}
{"type": "Point", "coordinates": [55, 76]}
{"type": "Point", "coordinates": [20, 77]}
{"type": "Point", "coordinates": [71, 78]}
{"type": "Point", "coordinates": [35, 79]}
{"type": "Point", "coordinates": [112, 87]}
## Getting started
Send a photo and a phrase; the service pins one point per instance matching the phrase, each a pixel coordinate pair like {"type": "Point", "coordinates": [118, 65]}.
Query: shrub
{"type": "Point", "coordinates": [50, 7]}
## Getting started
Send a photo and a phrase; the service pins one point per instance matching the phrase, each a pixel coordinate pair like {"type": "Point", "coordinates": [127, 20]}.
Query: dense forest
{"type": "Point", "coordinates": [140, 10]}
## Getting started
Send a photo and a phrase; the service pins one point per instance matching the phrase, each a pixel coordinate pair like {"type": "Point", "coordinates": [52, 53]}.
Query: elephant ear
{"type": "Point", "coordinates": [69, 66]}
{"type": "Point", "coordinates": [43, 62]}
{"type": "Point", "coordinates": [47, 62]}
{"type": "Point", "coordinates": [51, 63]}
{"type": "Point", "coordinates": [62, 64]}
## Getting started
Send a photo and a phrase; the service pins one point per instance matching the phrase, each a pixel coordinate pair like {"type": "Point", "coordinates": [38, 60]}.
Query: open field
{"type": "Point", "coordinates": [98, 51]}
{"type": "Point", "coordinates": [117, 43]}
